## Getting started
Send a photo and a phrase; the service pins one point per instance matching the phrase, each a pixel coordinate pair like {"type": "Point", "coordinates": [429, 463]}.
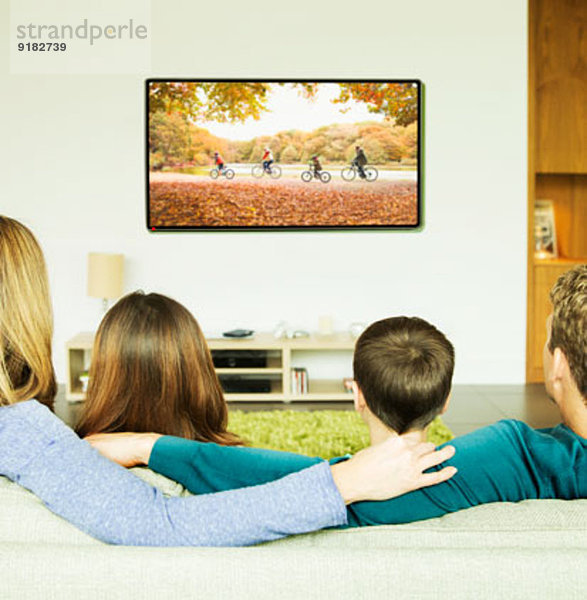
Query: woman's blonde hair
{"type": "Point", "coordinates": [26, 319]}
{"type": "Point", "coordinates": [152, 371]}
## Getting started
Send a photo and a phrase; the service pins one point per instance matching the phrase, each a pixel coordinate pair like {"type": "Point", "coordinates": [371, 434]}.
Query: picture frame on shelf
{"type": "Point", "coordinates": [545, 245]}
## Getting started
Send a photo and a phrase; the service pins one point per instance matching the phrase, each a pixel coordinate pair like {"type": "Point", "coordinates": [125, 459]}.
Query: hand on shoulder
{"type": "Point", "coordinates": [389, 469]}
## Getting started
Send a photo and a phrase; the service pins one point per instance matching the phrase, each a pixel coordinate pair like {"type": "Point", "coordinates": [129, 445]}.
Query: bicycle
{"type": "Point", "coordinates": [323, 176]}
{"type": "Point", "coordinates": [215, 173]}
{"type": "Point", "coordinates": [274, 171]}
{"type": "Point", "coordinates": [350, 172]}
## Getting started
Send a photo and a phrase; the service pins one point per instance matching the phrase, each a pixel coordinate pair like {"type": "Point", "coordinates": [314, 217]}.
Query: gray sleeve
{"type": "Point", "coordinates": [103, 499]}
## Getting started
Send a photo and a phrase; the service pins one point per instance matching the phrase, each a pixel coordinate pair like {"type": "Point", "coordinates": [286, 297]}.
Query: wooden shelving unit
{"type": "Point", "coordinates": [280, 353]}
{"type": "Point", "coordinates": [557, 153]}
{"type": "Point", "coordinates": [78, 354]}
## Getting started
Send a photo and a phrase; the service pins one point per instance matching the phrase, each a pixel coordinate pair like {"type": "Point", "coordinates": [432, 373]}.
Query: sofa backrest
{"type": "Point", "coordinates": [547, 523]}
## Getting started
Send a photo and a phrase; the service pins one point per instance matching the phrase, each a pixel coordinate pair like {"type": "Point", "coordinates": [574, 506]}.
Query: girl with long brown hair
{"type": "Point", "coordinates": [152, 370]}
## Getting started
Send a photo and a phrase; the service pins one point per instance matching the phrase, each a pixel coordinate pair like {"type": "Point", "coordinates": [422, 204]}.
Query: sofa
{"type": "Point", "coordinates": [533, 549]}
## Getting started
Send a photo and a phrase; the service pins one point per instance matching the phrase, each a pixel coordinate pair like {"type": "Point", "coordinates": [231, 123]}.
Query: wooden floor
{"type": "Point", "coordinates": [471, 406]}
{"type": "Point", "coordinates": [474, 406]}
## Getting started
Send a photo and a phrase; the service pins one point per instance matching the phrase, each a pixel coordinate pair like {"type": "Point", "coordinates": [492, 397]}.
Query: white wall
{"type": "Point", "coordinates": [72, 166]}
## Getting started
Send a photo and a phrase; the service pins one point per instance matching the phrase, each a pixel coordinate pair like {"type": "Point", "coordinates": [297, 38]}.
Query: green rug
{"type": "Point", "coordinates": [325, 433]}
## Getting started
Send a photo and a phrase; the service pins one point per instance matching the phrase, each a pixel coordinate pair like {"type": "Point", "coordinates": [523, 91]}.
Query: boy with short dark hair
{"type": "Point", "coordinates": [403, 369]}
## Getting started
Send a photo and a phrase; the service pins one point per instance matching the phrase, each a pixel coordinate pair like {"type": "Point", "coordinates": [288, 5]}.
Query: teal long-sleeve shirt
{"type": "Point", "coordinates": [504, 462]}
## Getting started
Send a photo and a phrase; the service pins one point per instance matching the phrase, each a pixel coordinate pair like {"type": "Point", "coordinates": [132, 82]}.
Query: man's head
{"type": "Point", "coordinates": [403, 368]}
{"type": "Point", "coordinates": [565, 351]}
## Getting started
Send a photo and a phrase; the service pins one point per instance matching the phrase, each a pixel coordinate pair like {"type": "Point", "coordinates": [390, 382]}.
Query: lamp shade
{"type": "Point", "coordinates": [105, 274]}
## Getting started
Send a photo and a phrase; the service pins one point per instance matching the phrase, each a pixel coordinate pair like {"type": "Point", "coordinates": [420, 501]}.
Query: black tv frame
{"type": "Point", "coordinates": [420, 163]}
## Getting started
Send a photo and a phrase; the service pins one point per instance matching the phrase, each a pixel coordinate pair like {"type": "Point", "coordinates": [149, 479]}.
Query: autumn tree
{"type": "Point", "coordinates": [409, 139]}
{"type": "Point", "coordinates": [235, 102]}
{"type": "Point", "coordinates": [222, 101]}
{"type": "Point", "coordinates": [374, 151]}
{"type": "Point", "coordinates": [243, 150]}
{"type": "Point", "coordinates": [290, 154]}
{"type": "Point", "coordinates": [169, 139]}
{"type": "Point", "coordinates": [387, 141]}
{"type": "Point", "coordinates": [204, 144]}
{"type": "Point", "coordinates": [315, 145]}
{"type": "Point", "coordinates": [334, 151]}
{"type": "Point", "coordinates": [397, 101]}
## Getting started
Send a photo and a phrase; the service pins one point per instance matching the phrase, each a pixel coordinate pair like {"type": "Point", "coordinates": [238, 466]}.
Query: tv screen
{"type": "Point", "coordinates": [266, 154]}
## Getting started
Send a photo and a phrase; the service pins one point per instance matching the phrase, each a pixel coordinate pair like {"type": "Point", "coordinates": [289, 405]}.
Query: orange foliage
{"type": "Point", "coordinates": [281, 203]}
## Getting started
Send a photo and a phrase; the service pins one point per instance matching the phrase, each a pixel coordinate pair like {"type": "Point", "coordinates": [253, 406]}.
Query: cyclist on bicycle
{"type": "Point", "coordinates": [316, 166]}
{"type": "Point", "coordinates": [219, 162]}
{"type": "Point", "coordinates": [360, 161]}
{"type": "Point", "coordinates": [267, 159]}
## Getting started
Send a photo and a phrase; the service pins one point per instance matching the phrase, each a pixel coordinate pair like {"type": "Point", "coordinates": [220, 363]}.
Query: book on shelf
{"type": "Point", "coordinates": [299, 381]}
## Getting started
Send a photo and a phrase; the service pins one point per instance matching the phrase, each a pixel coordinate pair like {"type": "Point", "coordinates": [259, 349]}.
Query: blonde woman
{"type": "Point", "coordinates": [103, 499]}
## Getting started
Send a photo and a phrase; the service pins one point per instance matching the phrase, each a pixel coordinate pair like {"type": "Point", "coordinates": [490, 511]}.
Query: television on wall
{"type": "Point", "coordinates": [270, 154]}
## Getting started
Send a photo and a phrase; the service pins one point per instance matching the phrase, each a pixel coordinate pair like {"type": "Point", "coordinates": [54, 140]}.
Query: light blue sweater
{"type": "Point", "coordinates": [42, 454]}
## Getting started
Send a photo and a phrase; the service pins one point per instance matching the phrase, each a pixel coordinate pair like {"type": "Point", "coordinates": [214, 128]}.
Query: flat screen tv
{"type": "Point", "coordinates": [269, 154]}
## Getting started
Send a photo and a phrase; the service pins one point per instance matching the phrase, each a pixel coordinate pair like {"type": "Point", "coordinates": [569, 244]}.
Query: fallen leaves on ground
{"type": "Point", "coordinates": [282, 203]}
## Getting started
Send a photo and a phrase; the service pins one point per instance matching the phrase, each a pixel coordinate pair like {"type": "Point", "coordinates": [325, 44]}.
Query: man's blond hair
{"type": "Point", "coordinates": [569, 322]}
